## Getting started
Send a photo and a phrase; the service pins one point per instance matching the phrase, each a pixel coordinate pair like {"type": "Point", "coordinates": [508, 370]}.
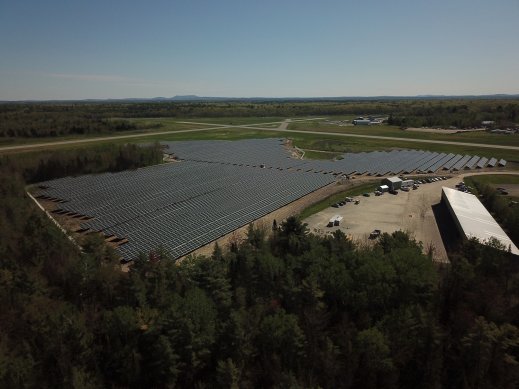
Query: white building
{"type": "Point", "coordinates": [473, 219]}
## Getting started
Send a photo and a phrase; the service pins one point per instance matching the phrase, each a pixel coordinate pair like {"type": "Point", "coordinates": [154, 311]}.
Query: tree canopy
{"type": "Point", "coordinates": [282, 308]}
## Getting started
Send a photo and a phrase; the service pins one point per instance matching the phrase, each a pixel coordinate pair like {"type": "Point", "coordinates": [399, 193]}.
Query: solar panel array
{"type": "Point", "coordinates": [179, 206]}
{"type": "Point", "coordinates": [218, 187]}
{"type": "Point", "coordinates": [273, 154]}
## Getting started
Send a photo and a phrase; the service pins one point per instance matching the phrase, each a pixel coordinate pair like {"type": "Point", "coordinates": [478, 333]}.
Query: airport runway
{"type": "Point", "coordinates": [215, 126]}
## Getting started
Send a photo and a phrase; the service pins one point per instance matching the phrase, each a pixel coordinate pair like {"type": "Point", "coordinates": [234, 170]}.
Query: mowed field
{"type": "Point", "coordinates": [325, 146]}
{"type": "Point", "coordinates": [394, 131]}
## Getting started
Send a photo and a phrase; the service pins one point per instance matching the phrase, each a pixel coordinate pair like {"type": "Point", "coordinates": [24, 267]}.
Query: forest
{"type": "Point", "coordinates": [28, 120]}
{"type": "Point", "coordinates": [280, 308]}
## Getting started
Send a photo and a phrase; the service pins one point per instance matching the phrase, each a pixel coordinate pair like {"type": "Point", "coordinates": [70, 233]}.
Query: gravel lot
{"type": "Point", "coordinates": [409, 211]}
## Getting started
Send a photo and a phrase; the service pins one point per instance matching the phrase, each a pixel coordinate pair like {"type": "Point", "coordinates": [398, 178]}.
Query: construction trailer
{"type": "Point", "coordinates": [335, 221]}
{"type": "Point", "coordinates": [393, 183]}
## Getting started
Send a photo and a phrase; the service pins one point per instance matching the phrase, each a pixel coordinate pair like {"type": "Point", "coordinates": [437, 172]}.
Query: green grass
{"type": "Point", "coordinates": [355, 145]}
{"type": "Point", "coordinates": [330, 143]}
{"type": "Point", "coordinates": [494, 179]}
{"type": "Point", "coordinates": [227, 120]}
{"type": "Point", "coordinates": [306, 141]}
{"type": "Point", "coordinates": [384, 130]}
{"type": "Point", "coordinates": [328, 201]}
{"type": "Point", "coordinates": [313, 154]}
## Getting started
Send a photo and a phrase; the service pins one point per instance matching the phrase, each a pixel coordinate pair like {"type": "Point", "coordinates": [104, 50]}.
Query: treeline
{"type": "Point", "coordinates": [106, 158]}
{"type": "Point", "coordinates": [281, 308]}
{"type": "Point", "coordinates": [33, 120]}
{"type": "Point", "coordinates": [460, 114]}
{"type": "Point", "coordinates": [504, 210]}
{"type": "Point", "coordinates": [57, 119]}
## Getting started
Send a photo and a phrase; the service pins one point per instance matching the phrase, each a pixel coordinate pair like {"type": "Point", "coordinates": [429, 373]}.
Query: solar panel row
{"type": "Point", "coordinates": [180, 206]}
{"type": "Point", "coordinates": [273, 153]}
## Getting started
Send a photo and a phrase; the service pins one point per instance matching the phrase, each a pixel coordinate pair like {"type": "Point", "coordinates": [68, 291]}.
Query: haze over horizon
{"type": "Point", "coordinates": [97, 50]}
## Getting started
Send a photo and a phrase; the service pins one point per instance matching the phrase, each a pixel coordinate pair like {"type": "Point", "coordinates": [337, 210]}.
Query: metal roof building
{"type": "Point", "coordinates": [473, 219]}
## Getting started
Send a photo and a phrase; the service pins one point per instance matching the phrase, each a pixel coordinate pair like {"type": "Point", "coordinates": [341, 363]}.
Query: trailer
{"type": "Point", "coordinates": [383, 188]}
{"type": "Point", "coordinates": [335, 221]}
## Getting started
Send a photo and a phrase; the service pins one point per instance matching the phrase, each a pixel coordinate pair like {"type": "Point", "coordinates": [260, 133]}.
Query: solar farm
{"type": "Point", "coordinates": [269, 152]}
{"type": "Point", "coordinates": [214, 188]}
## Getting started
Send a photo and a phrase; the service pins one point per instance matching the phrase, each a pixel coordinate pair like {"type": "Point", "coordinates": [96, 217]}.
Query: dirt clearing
{"type": "Point", "coordinates": [408, 211]}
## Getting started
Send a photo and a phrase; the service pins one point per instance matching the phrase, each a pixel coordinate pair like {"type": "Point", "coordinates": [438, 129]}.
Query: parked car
{"type": "Point", "coordinates": [393, 192]}
{"type": "Point", "coordinates": [335, 205]}
{"type": "Point", "coordinates": [366, 194]}
{"type": "Point", "coordinates": [375, 234]}
{"type": "Point", "coordinates": [405, 189]}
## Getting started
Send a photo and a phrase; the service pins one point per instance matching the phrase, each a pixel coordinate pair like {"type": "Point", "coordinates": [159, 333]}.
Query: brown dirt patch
{"type": "Point", "coordinates": [279, 215]}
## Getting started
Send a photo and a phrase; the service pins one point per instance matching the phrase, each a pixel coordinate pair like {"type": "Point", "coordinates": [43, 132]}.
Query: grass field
{"type": "Point", "coordinates": [337, 145]}
{"type": "Point", "coordinates": [224, 120]}
{"type": "Point", "coordinates": [494, 180]}
{"type": "Point", "coordinates": [314, 154]}
{"type": "Point", "coordinates": [318, 146]}
{"type": "Point", "coordinates": [354, 145]}
{"type": "Point", "coordinates": [384, 130]}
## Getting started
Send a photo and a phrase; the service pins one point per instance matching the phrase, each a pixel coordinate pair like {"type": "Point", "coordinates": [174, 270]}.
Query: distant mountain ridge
{"type": "Point", "coordinates": [195, 98]}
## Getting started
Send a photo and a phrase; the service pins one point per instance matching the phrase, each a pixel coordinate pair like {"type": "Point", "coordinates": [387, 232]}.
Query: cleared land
{"type": "Point", "coordinates": [182, 206]}
{"type": "Point", "coordinates": [217, 187]}
{"type": "Point", "coordinates": [409, 211]}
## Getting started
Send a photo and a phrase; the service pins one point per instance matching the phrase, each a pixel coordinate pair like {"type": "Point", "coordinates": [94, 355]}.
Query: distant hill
{"type": "Point", "coordinates": [195, 98]}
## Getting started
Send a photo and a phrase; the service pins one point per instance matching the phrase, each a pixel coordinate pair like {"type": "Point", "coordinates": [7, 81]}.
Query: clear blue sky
{"type": "Point", "coordinates": [74, 49]}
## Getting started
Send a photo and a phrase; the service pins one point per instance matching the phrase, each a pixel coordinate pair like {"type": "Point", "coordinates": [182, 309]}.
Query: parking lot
{"type": "Point", "coordinates": [409, 211]}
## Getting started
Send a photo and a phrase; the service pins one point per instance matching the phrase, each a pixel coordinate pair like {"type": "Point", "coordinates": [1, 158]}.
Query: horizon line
{"type": "Point", "coordinates": [187, 97]}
